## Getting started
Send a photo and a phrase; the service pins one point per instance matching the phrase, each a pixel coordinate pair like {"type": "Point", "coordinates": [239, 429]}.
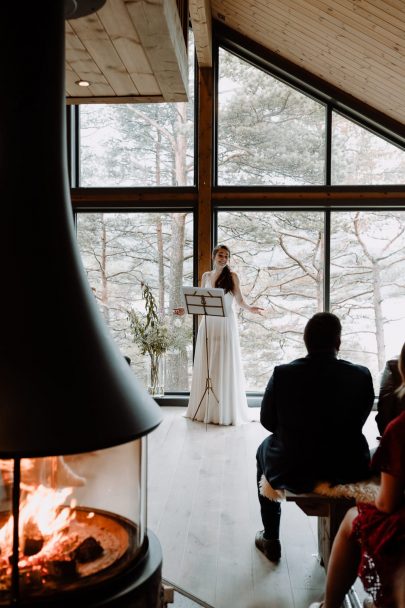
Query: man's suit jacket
{"type": "Point", "coordinates": [316, 408]}
{"type": "Point", "coordinates": [389, 405]}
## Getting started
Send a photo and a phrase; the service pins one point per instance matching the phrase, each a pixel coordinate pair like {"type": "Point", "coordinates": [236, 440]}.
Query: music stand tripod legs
{"type": "Point", "coordinates": [208, 382]}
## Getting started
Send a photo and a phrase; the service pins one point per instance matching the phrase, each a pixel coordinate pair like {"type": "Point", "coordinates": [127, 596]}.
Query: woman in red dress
{"type": "Point", "coordinates": [370, 542]}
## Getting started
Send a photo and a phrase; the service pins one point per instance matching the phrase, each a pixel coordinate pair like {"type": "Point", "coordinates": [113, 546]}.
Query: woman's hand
{"type": "Point", "coordinates": [179, 311]}
{"type": "Point", "coordinates": [256, 310]}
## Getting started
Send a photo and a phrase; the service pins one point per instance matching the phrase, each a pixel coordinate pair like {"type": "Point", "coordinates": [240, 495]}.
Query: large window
{"type": "Point", "coordinates": [138, 144]}
{"type": "Point", "coordinates": [367, 288]}
{"type": "Point", "coordinates": [360, 157]}
{"type": "Point", "coordinates": [122, 251]}
{"type": "Point", "coordinates": [292, 261]}
{"type": "Point", "coordinates": [279, 259]}
{"type": "Point", "coordinates": [268, 132]}
{"type": "Point", "coordinates": [281, 256]}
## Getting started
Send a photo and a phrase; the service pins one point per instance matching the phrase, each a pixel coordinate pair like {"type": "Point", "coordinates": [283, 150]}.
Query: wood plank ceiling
{"type": "Point", "coordinates": [129, 51]}
{"type": "Point", "coordinates": [134, 50]}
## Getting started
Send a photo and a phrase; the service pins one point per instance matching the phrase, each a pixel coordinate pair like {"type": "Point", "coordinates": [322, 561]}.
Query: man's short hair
{"type": "Point", "coordinates": [322, 332]}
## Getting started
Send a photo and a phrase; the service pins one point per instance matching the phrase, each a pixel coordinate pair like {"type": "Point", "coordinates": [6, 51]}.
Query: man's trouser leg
{"type": "Point", "coordinates": [270, 509]}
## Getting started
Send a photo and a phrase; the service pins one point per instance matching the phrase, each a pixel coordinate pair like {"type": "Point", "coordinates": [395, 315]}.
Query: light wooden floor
{"type": "Point", "coordinates": [202, 505]}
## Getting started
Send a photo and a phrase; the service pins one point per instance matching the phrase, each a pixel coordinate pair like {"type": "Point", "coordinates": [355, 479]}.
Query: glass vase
{"type": "Point", "coordinates": [156, 385]}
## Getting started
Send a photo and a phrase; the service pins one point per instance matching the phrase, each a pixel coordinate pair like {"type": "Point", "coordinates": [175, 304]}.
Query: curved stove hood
{"type": "Point", "coordinates": [64, 386]}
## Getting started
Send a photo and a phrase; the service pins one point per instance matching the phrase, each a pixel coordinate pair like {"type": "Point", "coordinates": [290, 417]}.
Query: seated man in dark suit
{"type": "Point", "coordinates": [315, 408]}
{"type": "Point", "coordinates": [389, 404]}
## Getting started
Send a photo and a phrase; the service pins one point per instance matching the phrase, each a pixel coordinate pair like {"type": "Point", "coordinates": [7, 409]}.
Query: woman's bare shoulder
{"type": "Point", "coordinates": [205, 277]}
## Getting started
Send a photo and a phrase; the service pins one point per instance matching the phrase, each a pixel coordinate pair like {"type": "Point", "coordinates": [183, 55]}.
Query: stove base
{"type": "Point", "coordinates": [140, 587]}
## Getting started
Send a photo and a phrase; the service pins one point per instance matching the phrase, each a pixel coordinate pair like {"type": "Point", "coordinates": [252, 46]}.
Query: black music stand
{"type": "Point", "coordinates": [208, 302]}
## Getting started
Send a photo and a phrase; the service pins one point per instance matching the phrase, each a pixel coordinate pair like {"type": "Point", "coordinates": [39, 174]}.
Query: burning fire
{"type": "Point", "coordinates": [41, 517]}
{"type": "Point", "coordinates": [58, 540]}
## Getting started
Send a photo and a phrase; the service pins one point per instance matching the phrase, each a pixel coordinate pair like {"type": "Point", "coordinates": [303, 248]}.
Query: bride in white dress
{"type": "Point", "coordinates": [226, 404]}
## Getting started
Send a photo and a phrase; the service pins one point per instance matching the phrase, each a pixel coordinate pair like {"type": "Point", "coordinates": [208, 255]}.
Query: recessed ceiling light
{"type": "Point", "coordinates": [83, 83]}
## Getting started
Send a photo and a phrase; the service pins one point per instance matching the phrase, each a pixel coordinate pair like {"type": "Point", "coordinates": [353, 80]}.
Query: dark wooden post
{"type": "Point", "coordinates": [205, 150]}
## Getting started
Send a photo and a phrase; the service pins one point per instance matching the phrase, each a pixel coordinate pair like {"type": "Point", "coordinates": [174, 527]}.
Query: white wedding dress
{"type": "Point", "coordinates": [225, 367]}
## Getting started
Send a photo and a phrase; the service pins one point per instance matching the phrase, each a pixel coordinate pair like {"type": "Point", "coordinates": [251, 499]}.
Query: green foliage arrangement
{"type": "Point", "coordinates": [150, 334]}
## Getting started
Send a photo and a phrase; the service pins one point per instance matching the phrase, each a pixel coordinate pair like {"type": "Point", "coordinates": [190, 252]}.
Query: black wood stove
{"type": "Point", "coordinates": [68, 400]}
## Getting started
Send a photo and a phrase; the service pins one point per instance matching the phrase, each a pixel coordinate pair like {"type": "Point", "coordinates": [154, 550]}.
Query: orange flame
{"type": "Point", "coordinates": [42, 510]}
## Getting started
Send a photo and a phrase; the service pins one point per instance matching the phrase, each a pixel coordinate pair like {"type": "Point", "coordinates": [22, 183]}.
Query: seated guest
{"type": "Point", "coordinates": [370, 542]}
{"type": "Point", "coordinates": [389, 404]}
{"type": "Point", "coordinates": [315, 407]}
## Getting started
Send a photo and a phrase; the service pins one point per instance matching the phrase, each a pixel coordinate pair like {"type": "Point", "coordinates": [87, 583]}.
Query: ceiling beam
{"type": "Point", "coordinates": [200, 15]}
{"type": "Point", "coordinates": [228, 197]}
{"type": "Point", "coordinates": [161, 34]}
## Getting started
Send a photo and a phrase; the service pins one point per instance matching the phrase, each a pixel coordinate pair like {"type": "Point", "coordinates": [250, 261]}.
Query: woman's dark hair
{"type": "Point", "coordinates": [225, 280]}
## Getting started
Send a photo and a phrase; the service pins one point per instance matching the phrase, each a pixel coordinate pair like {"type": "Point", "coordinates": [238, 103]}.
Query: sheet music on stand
{"type": "Point", "coordinates": [208, 302]}
{"type": "Point", "coordinates": [204, 301]}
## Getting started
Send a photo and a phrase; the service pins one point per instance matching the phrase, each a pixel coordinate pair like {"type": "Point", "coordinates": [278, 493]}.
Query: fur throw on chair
{"type": "Point", "coordinates": [361, 491]}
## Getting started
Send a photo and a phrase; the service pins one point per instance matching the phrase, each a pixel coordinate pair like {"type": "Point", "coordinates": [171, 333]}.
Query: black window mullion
{"type": "Point", "coordinates": [328, 144]}
{"type": "Point", "coordinates": [72, 137]}
{"type": "Point", "coordinates": [215, 116]}
{"type": "Point", "coordinates": [326, 261]}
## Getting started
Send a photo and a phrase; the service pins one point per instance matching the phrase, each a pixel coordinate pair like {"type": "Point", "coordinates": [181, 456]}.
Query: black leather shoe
{"type": "Point", "coordinates": [270, 548]}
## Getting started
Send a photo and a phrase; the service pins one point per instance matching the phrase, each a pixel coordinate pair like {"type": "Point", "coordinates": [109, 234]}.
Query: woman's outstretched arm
{"type": "Point", "coordinates": [240, 299]}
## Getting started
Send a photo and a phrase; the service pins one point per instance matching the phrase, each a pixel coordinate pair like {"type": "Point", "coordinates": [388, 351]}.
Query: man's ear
{"type": "Point", "coordinates": [338, 343]}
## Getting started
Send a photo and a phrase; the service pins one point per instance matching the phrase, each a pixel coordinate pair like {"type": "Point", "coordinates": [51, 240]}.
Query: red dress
{"type": "Point", "coordinates": [382, 535]}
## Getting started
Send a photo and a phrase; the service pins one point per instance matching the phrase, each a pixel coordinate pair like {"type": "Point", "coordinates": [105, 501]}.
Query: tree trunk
{"type": "Point", "coordinates": [378, 315]}
{"type": "Point", "coordinates": [104, 278]}
{"type": "Point", "coordinates": [181, 146]}
{"type": "Point", "coordinates": [177, 258]}
{"type": "Point", "coordinates": [176, 368]}
{"type": "Point", "coordinates": [176, 363]}
{"type": "Point", "coordinates": [161, 268]}
{"type": "Point", "coordinates": [157, 156]}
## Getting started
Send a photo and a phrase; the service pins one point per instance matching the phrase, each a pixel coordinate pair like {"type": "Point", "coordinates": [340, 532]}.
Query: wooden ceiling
{"type": "Point", "coordinates": [129, 51]}
{"type": "Point", "coordinates": [134, 50]}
